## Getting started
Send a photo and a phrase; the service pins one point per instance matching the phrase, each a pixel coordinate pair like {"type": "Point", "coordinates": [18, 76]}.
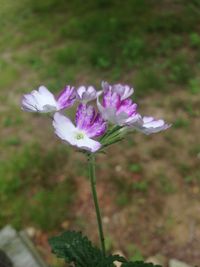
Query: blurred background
{"type": "Point", "coordinates": [149, 186]}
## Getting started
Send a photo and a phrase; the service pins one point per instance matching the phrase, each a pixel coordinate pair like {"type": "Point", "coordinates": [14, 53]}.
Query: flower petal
{"type": "Point", "coordinates": [88, 144]}
{"type": "Point", "coordinates": [84, 116]}
{"type": "Point", "coordinates": [123, 90]}
{"type": "Point", "coordinates": [80, 91]}
{"type": "Point", "coordinates": [150, 125]}
{"type": "Point", "coordinates": [66, 97]}
{"type": "Point", "coordinates": [44, 97]}
{"type": "Point", "coordinates": [98, 127]}
{"type": "Point", "coordinates": [28, 103]}
{"type": "Point", "coordinates": [111, 100]}
{"type": "Point", "coordinates": [128, 107]}
{"type": "Point", "coordinates": [39, 101]}
{"type": "Point", "coordinates": [64, 128]}
{"type": "Point", "coordinates": [134, 119]}
{"type": "Point", "coordinates": [85, 95]}
{"type": "Point", "coordinates": [110, 114]}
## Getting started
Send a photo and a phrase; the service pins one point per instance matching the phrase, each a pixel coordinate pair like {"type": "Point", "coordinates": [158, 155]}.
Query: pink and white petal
{"type": "Point", "coordinates": [148, 119]}
{"type": "Point", "coordinates": [80, 91]}
{"type": "Point", "coordinates": [98, 130]}
{"type": "Point", "coordinates": [128, 107]}
{"type": "Point", "coordinates": [121, 118]}
{"type": "Point", "coordinates": [98, 127]}
{"type": "Point", "coordinates": [123, 90]}
{"type": "Point", "coordinates": [64, 128]}
{"type": "Point", "coordinates": [66, 98]}
{"type": "Point", "coordinates": [28, 103]}
{"type": "Point", "coordinates": [111, 100]}
{"type": "Point", "coordinates": [105, 86]}
{"type": "Point", "coordinates": [154, 124]}
{"type": "Point", "coordinates": [48, 97]}
{"type": "Point", "coordinates": [44, 91]}
{"type": "Point", "coordinates": [91, 90]}
{"type": "Point", "coordinates": [84, 116]}
{"type": "Point", "coordinates": [108, 114]}
{"type": "Point", "coordinates": [39, 101]}
{"type": "Point", "coordinates": [88, 144]}
{"type": "Point", "coordinates": [127, 92]}
{"type": "Point", "coordinates": [44, 97]}
{"type": "Point", "coordinates": [155, 130]}
{"type": "Point", "coordinates": [86, 96]}
{"type": "Point", "coordinates": [135, 119]}
{"type": "Point", "coordinates": [151, 125]}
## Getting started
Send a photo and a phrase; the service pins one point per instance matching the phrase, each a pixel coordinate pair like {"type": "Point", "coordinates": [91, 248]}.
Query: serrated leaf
{"type": "Point", "coordinates": [139, 264]}
{"type": "Point", "coordinates": [77, 249]}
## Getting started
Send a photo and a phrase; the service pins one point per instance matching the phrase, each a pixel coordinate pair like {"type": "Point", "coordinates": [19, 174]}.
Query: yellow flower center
{"type": "Point", "coordinates": [79, 136]}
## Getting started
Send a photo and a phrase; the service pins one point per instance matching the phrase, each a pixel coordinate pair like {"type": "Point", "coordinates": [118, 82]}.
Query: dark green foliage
{"type": "Point", "coordinates": [195, 40]}
{"type": "Point", "coordinates": [149, 79]}
{"type": "Point", "coordinates": [134, 50]}
{"type": "Point", "coordinates": [76, 249]}
{"type": "Point", "coordinates": [67, 55]}
{"type": "Point", "coordinates": [139, 264]}
{"type": "Point", "coordinates": [180, 69]}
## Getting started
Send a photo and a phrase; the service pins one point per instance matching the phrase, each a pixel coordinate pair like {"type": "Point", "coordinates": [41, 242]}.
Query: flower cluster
{"type": "Point", "coordinates": [94, 128]}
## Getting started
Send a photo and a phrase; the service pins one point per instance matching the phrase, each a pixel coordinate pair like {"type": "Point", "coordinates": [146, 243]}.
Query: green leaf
{"type": "Point", "coordinates": [139, 264]}
{"type": "Point", "coordinates": [77, 249]}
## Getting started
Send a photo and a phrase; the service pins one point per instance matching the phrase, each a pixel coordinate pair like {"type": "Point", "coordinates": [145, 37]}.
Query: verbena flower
{"type": "Point", "coordinates": [116, 107]}
{"type": "Point", "coordinates": [89, 124]}
{"type": "Point", "coordinates": [124, 91]}
{"type": "Point", "coordinates": [86, 94]}
{"type": "Point", "coordinates": [42, 100]}
{"type": "Point", "coordinates": [149, 125]}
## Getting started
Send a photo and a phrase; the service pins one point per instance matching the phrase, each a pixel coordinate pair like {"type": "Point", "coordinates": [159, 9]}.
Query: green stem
{"type": "Point", "coordinates": [92, 176]}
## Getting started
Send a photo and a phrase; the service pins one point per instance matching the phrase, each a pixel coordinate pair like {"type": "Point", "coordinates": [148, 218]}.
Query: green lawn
{"type": "Point", "coordinates": [151, 45]}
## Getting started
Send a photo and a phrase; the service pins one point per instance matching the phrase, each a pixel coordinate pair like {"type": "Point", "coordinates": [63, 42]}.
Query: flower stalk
{"type": "Point", "coordinates": [92, 176]}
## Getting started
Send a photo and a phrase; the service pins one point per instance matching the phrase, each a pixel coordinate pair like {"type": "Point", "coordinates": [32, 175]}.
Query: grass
{"type": "Point", "coordinates": [28, 180]}
{"type": "Point", "coordinates": [134, 253]}
{"type": "Point", "coordinates": [166, 185]}
{"type": "Point", "coordinates": [9, 74]}
{"type": "Point", "coordinates": [194, 86]}
{"type": "Point", "coordinates": [88, 40]}
{"type": "Point", "coordinates": [181, 123]}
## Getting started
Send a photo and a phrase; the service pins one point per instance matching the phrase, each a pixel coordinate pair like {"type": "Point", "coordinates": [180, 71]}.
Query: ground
{"type": "Point", "coordinates": [148, 185]}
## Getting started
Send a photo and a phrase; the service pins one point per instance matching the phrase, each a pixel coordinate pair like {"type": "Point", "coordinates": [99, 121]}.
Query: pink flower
{"type": "Point", "coordinates": [42, 100]}
{"type": "Point", "coordinates": [124, 91]}
{"type": "Point", "coordinates": [116, 107]}
{"type": "Point", "coordinates": [88, 125]}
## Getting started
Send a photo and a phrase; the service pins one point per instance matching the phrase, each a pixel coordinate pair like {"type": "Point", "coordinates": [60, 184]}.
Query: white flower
{"type": "Point", "coordinates": [43, 101]}
{"type": "Point", "coordinates": [149, 125]}
{"type": "Point", "coordinates": [88, 124]}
